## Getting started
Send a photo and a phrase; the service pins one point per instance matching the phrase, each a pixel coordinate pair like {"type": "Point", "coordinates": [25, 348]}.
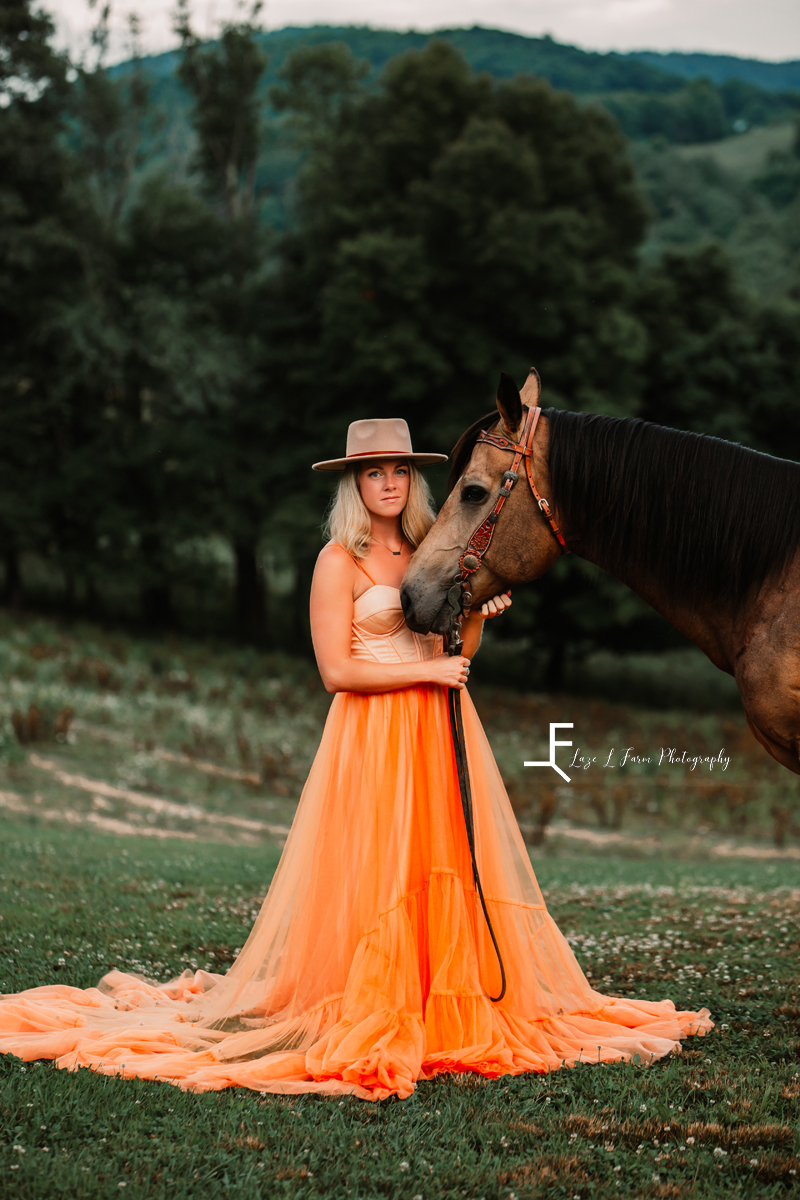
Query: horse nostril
{"type": "Point", "coordinates": [405, 602]}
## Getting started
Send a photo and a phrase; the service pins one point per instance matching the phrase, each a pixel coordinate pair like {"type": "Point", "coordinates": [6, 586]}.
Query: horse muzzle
{"type": "Point", "coordinates": [426, 610]}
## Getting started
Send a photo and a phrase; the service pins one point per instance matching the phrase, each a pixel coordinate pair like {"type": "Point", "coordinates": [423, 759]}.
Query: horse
{"type": "Point", "coordinates": [707, 532]}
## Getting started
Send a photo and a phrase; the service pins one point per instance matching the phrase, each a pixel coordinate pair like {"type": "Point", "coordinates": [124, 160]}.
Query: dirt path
{"type": "Point", "coordinates": [183, 760]}
{"type": "Point", "coordinates": [212, 824]}
{"type": "Point", "coordinates": [607, 840]}
{"type": "Point", "coordinates": [231, 829]}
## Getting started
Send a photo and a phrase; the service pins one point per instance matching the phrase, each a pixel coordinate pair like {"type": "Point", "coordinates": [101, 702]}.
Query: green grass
{"type": "Point", "coordinates": [192, 737]}
{"type": "Point", "coordinates": [718, 1120]}
{"type": "Point", "coordinates": [746, 154]}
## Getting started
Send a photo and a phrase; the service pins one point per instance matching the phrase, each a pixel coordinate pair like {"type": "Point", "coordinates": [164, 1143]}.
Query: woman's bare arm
{"type": "Point", "coordinates": [472, 626]}
{"type": "Point", "coordinates": [331, 632]}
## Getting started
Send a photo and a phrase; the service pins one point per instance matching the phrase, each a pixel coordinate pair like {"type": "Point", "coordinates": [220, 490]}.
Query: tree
{"type": "Point", "coordinates": [39, 269]}
{"type": "Point", "coordinates": [447, 226]}
{"type": "Point", "coordinates": [223, 80]}
{"type": "Point", "coordinates": [718, 362]}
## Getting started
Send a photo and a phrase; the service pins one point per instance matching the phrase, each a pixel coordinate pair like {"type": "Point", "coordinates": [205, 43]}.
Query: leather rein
{"type": "Point", "coordinates": [460, 597]}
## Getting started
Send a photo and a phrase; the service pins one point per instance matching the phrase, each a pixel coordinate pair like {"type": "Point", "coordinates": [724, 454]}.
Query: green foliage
{"type": "Point", "coordinates": [189, 331]}
{"type": "Point", "coordinates": [39, 270]}
{"type": "Point", "coordinates": [780, 181]}
{"type": "Point", "coordinates": [747, 105]}
{"type": "Point", "coordinates": [706, 339]}
{"type": "Point", "coordinates": [725, 68]}
{"type": "Point", "coordinates": [315, 81]}
{"type": "Point", "coordinates": [699, 111]}
{"type": "Point", "coordinates": [31, 71]}
{"type": "Point", "coordinates": [112, 122]}
{"type": "Point", "coordinates": [646, 98]}
{"type": "Point", "coordinates": [697, 197]}
{"type": "Point", "coordinates": [223, 80]}
{"type": "Point", "coordinates": [694, 114]}
{"type": "Point", "coordinates": [448, 225]}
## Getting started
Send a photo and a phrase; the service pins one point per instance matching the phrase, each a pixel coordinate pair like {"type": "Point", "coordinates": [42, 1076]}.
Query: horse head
{"type": "Point", "coordinates": [522, 547]}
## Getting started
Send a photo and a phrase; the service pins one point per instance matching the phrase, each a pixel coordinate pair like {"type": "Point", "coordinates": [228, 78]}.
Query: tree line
{"type": "Point", "coordinates": [174, 357]}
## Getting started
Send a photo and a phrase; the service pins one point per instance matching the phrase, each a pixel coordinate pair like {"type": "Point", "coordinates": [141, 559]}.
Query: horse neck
{"type": "Point", "coordinates": [713, 629]}
{"type": "Point", "coordinates": [668, 513]}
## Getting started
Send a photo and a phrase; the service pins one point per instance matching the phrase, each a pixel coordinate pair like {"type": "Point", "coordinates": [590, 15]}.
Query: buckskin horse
{"type": "Point", "coordinates": [705, 531]}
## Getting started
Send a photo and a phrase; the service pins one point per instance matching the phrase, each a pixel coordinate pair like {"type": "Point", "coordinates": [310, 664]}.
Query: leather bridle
{"type": "Point", "coordinates": [481, 539]}
{"type": "Point", "coordinates": [471, 559]}
{"type": "Point", "coordinates": [459, 596]}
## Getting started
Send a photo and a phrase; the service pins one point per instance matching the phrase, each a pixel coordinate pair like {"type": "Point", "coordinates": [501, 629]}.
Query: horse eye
{"type": "Point", "coordinates": [474, 494]}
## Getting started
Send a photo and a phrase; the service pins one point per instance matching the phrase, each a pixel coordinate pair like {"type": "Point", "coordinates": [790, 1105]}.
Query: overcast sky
{"type": "Point", "coordinates": [751, 28]}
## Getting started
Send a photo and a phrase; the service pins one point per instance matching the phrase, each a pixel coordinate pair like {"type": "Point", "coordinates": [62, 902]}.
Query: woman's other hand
{"type": "Point", "coordinates": [495, 606]}
{"type": "Point", "coordinates": [472, 625]}
{"type": "Point", "coordinates": [450, 671]}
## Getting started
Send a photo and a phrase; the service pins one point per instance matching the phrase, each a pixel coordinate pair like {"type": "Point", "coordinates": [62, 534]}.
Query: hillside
{"type": "Point", "coordinates": [747, 155]}
{"type": "Point", "coordinates": [505, 54]}
{"type": "Point", "coordinates": [646, 97]}
{"type": "Point", "coordinates": [501, 54]}
{"type": "Point", "coordinates": [773, 77]}
{"type": "Point", "coordinates": [714, 155]}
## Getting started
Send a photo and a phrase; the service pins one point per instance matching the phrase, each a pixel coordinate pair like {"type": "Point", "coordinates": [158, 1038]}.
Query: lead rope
{"type": "Point", "coordinates": [459, 597]}
{"type": "Point", "coordinates": [456, 597]}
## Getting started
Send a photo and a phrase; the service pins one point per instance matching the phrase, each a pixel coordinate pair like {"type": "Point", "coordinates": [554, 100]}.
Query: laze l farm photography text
{"type": "Point", "coordinates": [670, 757]}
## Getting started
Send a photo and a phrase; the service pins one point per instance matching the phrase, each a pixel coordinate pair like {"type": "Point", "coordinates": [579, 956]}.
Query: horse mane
{"type": "Point", "coordinates": [699, 515]}
{"type": "Point", "coordinates": [462, 451]}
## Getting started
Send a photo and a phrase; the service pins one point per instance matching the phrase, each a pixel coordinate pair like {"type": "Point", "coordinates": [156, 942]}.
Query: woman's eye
{"type": "Point", "coordinates": [474, 494]}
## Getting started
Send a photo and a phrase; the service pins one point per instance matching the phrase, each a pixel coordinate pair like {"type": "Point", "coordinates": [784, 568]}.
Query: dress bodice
{"type": "Point", "coordinates": [380, 633]}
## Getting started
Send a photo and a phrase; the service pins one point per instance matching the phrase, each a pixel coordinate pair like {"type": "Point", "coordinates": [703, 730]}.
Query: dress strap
{"type": "Point", "coordinates": [362, 568]}
{"type": "Point", "coordinates": [358, 564]}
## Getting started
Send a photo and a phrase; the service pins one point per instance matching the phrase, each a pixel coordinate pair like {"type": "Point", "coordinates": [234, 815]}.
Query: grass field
{"type": "Point", "coordinates": [718, 1120]}
{"type": "Point", "coordinates": [146, 787]}
{"type": "Point", "coordinates": [746, 154]}
{"type": "Point", "coordinates": [183, 739]}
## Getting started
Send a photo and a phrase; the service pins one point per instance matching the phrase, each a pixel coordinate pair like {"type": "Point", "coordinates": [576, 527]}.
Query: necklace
{"type": "Point", "coordinates": [394, 552]}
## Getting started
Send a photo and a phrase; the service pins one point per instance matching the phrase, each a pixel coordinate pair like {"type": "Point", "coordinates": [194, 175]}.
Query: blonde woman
{"type": "Point", "coordinates": [381, 512]}
{"type": "Point", "coordinates": [370, 966]}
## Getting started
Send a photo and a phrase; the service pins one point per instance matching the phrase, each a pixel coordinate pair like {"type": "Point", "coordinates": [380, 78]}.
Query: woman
{"type": "Point", "coordinates": [370, 966]}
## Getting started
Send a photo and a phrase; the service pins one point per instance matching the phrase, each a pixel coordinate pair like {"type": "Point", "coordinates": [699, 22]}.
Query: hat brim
{"type": "Point", "coordinates": [339, 464]}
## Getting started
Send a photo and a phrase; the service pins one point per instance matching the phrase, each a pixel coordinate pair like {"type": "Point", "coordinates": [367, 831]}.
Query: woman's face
{"type": "Point", "coordinates": [384, 487]}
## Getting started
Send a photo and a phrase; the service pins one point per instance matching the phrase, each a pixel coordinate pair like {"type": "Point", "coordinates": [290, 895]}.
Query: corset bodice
{"type": "Point", "coordinates": [380, 632]}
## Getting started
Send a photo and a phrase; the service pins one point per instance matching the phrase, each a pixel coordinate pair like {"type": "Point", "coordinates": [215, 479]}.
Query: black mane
{"type": "Point", "coordinates": [703, 517]}
{"type": "Point", "coordinates": [462, 451]}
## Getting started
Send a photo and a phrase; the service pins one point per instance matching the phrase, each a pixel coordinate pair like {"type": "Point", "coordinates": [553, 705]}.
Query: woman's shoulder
{"type": "Point", "coordinates": [334, 552]}
{"type": "Point", "coordinates": [333, 561]}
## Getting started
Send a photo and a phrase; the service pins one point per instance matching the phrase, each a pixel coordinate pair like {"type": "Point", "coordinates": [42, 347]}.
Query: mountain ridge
{"type": "Point", "coordinates": [505, 54]}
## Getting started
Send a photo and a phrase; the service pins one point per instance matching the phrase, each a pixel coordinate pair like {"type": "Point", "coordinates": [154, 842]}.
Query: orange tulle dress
{"type": "Point", "coordinates": [369, 967]}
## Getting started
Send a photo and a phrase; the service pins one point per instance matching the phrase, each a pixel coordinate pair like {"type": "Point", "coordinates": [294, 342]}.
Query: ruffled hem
{"type": "Point", "coordinates": [377, 1039]}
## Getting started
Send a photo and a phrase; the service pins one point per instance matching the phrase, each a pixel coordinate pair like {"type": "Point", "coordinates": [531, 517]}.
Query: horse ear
{"type": "Point", "coordinates": [509, 404]}
{"type": "Point", "coordinates": [531, 389]}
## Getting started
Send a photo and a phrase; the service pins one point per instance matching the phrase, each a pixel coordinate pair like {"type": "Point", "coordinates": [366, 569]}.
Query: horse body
{"type": "Point", "coordinates": [704, 531]}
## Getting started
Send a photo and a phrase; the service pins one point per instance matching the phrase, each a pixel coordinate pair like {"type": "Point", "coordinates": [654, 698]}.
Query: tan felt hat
{"type": "Point", "coordinates": [381, 438]}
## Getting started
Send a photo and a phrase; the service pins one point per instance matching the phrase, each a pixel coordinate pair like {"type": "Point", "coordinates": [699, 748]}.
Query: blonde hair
{"type": "Point", "coordinates": [348, 521]}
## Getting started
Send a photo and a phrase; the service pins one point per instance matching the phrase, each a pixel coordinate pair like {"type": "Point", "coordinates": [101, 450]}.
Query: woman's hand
{"type": "Point", "coordinates": [449, 671]}
{"type": "Point", "coordinates": [472, 626]}
{"type": "Point", "coordinates": [495, 606]}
